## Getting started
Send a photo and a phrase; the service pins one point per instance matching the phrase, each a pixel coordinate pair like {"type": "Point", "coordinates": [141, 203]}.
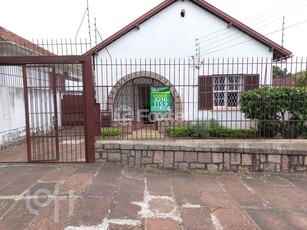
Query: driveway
{"type": "Point", "coordinates": [93, 196]}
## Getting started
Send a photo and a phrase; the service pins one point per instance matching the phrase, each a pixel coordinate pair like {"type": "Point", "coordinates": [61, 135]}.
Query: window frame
{"type": "Point", "coordinates": [206, 89]}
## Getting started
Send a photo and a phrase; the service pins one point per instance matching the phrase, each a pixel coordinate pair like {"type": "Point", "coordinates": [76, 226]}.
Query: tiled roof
{"type": "Point", "coordinates": [14, 39]}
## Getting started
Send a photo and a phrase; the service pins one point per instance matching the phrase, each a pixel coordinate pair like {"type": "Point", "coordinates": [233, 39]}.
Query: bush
{"type": "Point", "coordinates": [210, 129]}
{"type": "Point", "coordinates": [179, 131]}
{"type": "Point", "coordinates": [110, 132]}
{"type": "Point", "coordinates": [279, 110]}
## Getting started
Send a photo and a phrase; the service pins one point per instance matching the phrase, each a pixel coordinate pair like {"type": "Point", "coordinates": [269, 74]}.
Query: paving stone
{"type": "Point", "coordinates": [239, 192]}
{"type": "Point", "coordinates": [76, 183]}
{"type": "Point", "coordinates": [54, 216]}
{"type": "Point", "coordinates": [161, 224]}
{"type": "Point", "coordinates": [196, 218]}
{"type": "Point", "coordinates": [18, 217]}
{"type": "Point", "coordinates": [276, 220]}
{"type": "Point", "coordinates": [21, 184]}
{"type": "Point", "coordinates": [159, 185]}
{"type": "Point", "coordinates": [123, 210]}
{"type": "Point", "coordinates": [89, 211]}
{"type": "Point", "coordinates": [130, 190]}
{"type": "Point", "coordinates": [185, 190]}
{"type": "Point", "coordinates": [5, 205]}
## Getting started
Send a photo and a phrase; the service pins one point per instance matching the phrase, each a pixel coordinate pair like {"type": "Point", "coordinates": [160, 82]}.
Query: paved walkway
{"type": "Point", "coordinates": [91, 196]}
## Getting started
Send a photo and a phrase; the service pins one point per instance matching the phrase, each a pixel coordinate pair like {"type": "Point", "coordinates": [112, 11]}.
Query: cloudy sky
{"type": "Point", "coordinates": [61, 18]}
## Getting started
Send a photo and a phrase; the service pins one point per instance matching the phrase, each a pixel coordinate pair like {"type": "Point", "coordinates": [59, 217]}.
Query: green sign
{"type": "Point", "coordinates": [160, 99]}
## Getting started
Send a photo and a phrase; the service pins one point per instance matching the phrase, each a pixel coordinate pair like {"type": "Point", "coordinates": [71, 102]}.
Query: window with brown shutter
{"type": "Point", "coordinates": [223, 90]}
{"type": "Point", "coordinates": [205, 93]}
{"type": "Point", "coordinates": [251, 82]}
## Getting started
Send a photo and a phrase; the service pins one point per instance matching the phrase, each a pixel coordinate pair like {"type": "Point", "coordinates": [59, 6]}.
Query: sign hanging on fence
{"type": "Point", "coordinates": [160, 99]}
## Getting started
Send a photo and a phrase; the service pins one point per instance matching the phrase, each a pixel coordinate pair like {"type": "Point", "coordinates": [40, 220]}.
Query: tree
{"type": "Point", "coordinates": [277, 72]}
{"type": "Point", "coordinates": [300, 79]}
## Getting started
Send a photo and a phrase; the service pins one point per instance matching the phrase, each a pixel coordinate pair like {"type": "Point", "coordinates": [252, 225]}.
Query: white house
{"type": "Point", "coordinates": [206, 57]}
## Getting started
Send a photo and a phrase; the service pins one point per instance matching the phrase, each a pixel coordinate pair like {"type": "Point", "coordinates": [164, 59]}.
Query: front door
{"type": "Point", "coordinates": [144, 102]}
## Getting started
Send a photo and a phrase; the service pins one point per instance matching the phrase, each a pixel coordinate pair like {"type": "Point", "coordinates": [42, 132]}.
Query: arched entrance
{"type": "Point", "coordinates": [131, 95]}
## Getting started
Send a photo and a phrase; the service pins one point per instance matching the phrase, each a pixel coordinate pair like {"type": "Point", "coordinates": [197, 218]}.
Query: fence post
{"type": "Point", "coordinates": [88, 86]}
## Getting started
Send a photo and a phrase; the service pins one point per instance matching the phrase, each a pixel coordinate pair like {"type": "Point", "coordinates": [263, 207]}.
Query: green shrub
{"type": "Point", "coordinates": [210, 129]}
{"type": "Point", "coordinates": [235, 133]}
{"type": "Point", "coordinates": [178, 131]}
{"type": "Point", "coordinates": [278, 110]}
{"type": "Point", "coordinates": [110, 132]}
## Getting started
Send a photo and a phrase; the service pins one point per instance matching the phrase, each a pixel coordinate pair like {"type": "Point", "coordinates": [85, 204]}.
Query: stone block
{"type": "Point", "coordinates": [178, 156]}
{"type": "Point", "coordinates": [234, 168]}
{"type": "Point", "coordinates": [146, 160]}
{"type": "Point", "coordinates": [190, 157]}
{"type": "Point", "coordinates": [111, 146]}
{"type": "Point", "coordinates": [197, 166]}
{"type": "Point", "coordinates": [269, 167]}
{"type": "Point", "coordinates": [183, 166]}
{"type": "Point", "coordinates": [170, 148]}
{"type": "Point", "coordinates": [131, 161]}
{"type": "Point", "coordinates": [204, 157]}
{"type": "Point", "coordinates": [263, 158]}
{"type": "Point", "coordinates": [125, 146]}
{"type": "Point", "coordinates": [285, 164]}
{"type": "Point", "coordinates": [114, 157]}
{"type": "Point", "coordinates": [244, 169]}
{"type": "Point", "coordinates": [168, 159]}
{"type": "Point", "coordinates": [274, 159]}
{"type": "Point", "coordinates": [235, 159]}
{"type": "Point", "coordinates": [140, 147]}
{"type": "Point", "coordinates": [217, 157]}
{"type": "Point", "coordinates": [138, 157]}
{"type": "Point", "coordinates": [213, 167]}
{"type": "Point", "coordinates": [155, 147]}
{"type": "Point", "coordinates": [186, 148]}
{"type": "Point", "coordinates": [300, 168]}
{"type": "Point", "coordinates": [158, 157]}
{"type": "Point", "coordinates": [226, 163]}
{"type": "Point", "coordinates": [247, 159]}
{"type": "Point", "coordinates": [150, 153]}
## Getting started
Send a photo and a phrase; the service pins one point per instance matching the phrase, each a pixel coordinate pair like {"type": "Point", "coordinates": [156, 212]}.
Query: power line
{"type": "Point", "coordinates": [220, 35]}
{"type": "Point", "coordinates": [240, 43]}
{"type": "Point", "coordinates": [224, 38]}
{"type": "Point", "coordinates": [291, 3]}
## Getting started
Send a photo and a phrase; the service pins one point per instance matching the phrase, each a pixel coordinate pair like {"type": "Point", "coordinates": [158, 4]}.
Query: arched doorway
{"type": "Point", "coordinates": [131, 97]}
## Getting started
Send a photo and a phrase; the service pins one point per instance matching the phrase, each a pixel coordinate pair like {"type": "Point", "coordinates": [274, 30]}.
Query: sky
{"type": "Point", "coordinates": [56, 19]}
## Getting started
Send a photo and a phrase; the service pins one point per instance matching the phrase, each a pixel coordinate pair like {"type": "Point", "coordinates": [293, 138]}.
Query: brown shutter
{"type": "Point", "coordinates": [251, 82]}
{"type": "Point", "coordinates": [205, 93]}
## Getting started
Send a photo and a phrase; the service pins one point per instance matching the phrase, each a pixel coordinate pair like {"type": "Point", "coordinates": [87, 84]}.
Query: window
{"type": "Point", "coordinates": [226, 90]}
{"type": "Point", "coordinates": [223, 90]}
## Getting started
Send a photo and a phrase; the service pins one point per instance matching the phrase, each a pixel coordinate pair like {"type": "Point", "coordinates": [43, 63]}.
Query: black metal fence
{"type": "Point", "coordinates": [197, 99]}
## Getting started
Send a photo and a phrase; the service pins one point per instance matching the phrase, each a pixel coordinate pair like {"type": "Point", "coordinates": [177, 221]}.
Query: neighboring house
{"type": "Point", "coordinates": [40, 90]}
{"type": "Point", "coordinates": [206, 57]}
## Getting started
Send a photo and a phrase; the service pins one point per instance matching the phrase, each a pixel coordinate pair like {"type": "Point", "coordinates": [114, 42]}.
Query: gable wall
{"type": "Point", "coordinates": [168, 35]}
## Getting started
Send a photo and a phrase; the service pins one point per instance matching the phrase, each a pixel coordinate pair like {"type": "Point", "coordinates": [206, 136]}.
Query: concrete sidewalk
{"type": "Point", "coordinates": [92, 196]}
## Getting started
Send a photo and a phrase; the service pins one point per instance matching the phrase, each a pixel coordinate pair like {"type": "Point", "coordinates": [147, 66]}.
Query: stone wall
{"type": "Point", "coordinates": [181, 157]}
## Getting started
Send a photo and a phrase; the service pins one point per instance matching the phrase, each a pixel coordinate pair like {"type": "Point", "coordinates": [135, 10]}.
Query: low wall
{"type": "Point", "coordinates": [211, 155]}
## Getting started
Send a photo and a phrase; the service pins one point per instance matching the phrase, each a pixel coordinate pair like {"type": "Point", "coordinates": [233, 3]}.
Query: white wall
{"type": "Point", "coordinates": [168, 35]}
{"type": "Point", "coordinates": [169, 38]}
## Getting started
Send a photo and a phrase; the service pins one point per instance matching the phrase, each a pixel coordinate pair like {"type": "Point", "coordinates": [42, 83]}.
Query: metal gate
{"type": "Point", "coordinates": [55, 127]}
